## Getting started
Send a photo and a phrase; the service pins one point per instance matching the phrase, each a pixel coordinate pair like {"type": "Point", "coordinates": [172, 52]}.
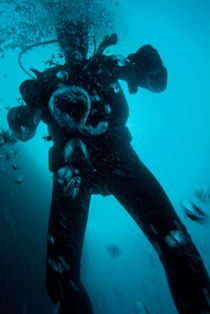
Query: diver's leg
{"type": "Point", "coordinates": [68, 218]}
{"type": "Point", "coordinates": [140, 193]}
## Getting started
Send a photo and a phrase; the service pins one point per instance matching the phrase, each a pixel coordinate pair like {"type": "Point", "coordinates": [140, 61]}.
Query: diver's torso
{"type": "Point", "coordinates": [108, 102]}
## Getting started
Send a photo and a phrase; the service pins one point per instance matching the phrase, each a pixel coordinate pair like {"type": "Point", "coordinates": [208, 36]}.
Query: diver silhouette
{"type": "Point", "coordinates": [86, 111]}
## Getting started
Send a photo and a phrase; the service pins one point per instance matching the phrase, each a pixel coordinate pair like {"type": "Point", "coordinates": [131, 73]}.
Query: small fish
{"type": "Point", "coordinates": [140, 308]}
{"type": "Point", "coordinates": [203, 193]}
{"type": "Point", "coordinates": [194, 212]}
{"type": "Point", "coordinates": [19, 180]}
{"type": "Point", "coordinates": [113, 250]}
{"type": "Point", "coordinates": [15, 167]}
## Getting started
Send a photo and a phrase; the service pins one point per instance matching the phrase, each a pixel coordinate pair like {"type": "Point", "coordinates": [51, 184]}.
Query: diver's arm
{"type": "Point", "coordinates": [144, 69]}
{"type": "Point", "coordinates": [33, 93]}
{"type": "Point", "coordinates": [23, 121]}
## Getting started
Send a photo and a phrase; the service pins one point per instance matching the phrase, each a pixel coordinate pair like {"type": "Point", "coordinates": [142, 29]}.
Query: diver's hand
{"type": "Point", "coordinates": [64, 175]}
{"type": "Point", "coordinates": [23, 122]}
{"type": "Point", "coordinates": [70, 179]}
{"type": "Point", "coordinates": [147, 59]}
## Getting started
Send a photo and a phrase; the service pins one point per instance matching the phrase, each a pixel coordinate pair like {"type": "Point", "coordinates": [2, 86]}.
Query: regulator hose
{"type": "Point", "coordinates": [30, 47]}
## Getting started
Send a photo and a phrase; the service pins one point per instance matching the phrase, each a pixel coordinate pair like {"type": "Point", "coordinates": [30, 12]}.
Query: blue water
{"type": "Point", "coordinates": [170, 133]}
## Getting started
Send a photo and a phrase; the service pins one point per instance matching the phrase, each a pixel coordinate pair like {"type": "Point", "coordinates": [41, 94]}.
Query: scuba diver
{"type": "Point", "coordinates": [86, 111]}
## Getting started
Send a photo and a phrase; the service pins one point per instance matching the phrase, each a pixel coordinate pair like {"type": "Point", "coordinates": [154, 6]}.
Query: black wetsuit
{"type": "Point", "coordinates": [114, 169]}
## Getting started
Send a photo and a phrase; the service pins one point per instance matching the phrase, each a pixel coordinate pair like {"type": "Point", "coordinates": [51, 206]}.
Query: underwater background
{"type": "Point", "coordinates": [170, 134]}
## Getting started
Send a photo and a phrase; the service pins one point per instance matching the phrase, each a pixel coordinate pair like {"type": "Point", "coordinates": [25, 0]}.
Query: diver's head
{"type": "Point", "coordinates": [73, 39]}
